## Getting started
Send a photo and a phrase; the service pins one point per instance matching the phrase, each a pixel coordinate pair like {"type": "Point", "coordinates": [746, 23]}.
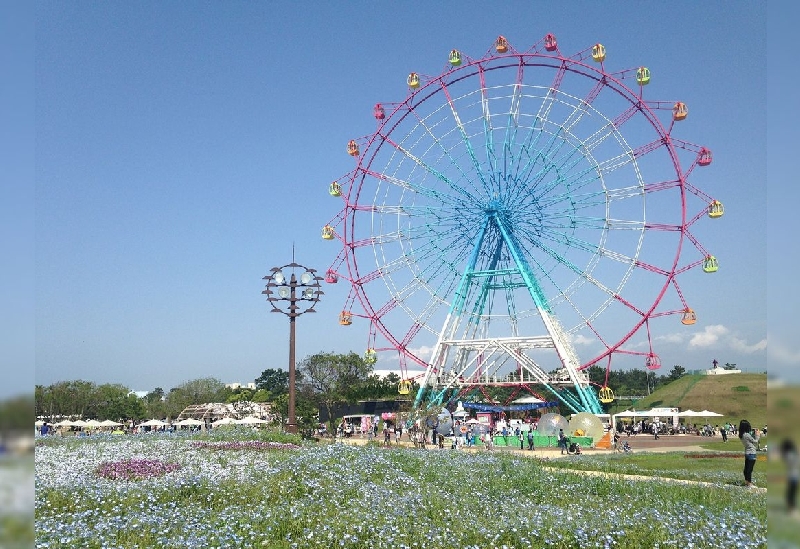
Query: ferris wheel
{"type": "Point", "coordinates": [516, 219]}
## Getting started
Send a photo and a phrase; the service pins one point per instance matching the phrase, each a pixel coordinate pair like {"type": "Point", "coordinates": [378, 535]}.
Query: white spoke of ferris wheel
{"type": "Point", "coordinates": [513, 117]}
{"type": "Point", "coordinates": [616, 162]}
{"type": "Point", "coordinates": [598, 252]}
{"type": "Point", "coordinates": [576, 243]}
{"type": "Point", "coordinates": [624, 193]}
{"type": "Point", "coordinates": [421, 122]}
{"type": "Point", "coordinates": [417, 189]}
{"type": "Point", "coordinates": [429, 169]}
{"type": "Point", "coordinates": [571, 220]}
{"type": "Point", "coordinates": [581, 107]}
{"type": "Point", "coordinates": [488, 131]}
{"type": "Point", "coordinates": [431, 270]}
{"type": "Point", "coordinates": [578, 271]}
{"type": "Point", "coordinates": [428, 310]}
{"type": "Point", "coordinates": [559, 134]}
{"type": "Point", "coordinates": [565, 165]}
{"type": "Point", "coordinates": [389, 267]}
{"type": "Point", "coordinates": [550, 97]}
{"type": "Point", "coordinates": [597, 138]}
{"type": "Point", "coordinates": [464, 137]}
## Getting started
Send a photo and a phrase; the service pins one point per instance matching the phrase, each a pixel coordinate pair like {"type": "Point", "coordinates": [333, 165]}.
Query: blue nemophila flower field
{"type": "Point", "coordinates": [336, 496]}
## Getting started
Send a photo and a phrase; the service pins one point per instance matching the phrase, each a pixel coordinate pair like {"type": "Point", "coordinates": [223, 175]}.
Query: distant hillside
{"type": "Point", "coordinates": [736, 396]}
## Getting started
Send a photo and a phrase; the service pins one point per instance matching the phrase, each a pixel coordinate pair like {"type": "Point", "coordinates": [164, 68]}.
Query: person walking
{"type": "Point", "coordinates": [562, 441]}
{"type": "Point", "coordinates": [791, 459]}
{"type": "Point", "coordinates": [749, 438]}
{"type": "Point", "coordinates": [530, 440]}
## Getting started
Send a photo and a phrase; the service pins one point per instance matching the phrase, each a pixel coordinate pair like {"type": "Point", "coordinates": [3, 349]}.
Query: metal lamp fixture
{"type": "Point", "coordinates": [285, 298]}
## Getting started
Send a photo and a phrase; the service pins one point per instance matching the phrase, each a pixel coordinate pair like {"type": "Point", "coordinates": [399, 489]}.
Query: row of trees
{"type": "Point", "coordinates": [15, 414]}
{"type": "Point", "coordinates": [322, 380]}
{"type": "Point", "coordinates": [634, 382]}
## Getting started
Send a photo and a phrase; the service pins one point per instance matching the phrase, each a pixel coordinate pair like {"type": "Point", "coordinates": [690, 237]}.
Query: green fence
{"type": "Point", "coordinates": [539, 441]}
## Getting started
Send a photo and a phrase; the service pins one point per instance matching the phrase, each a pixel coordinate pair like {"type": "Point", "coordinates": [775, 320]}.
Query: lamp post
{"type": "Point", "coordinates": [283, 296]}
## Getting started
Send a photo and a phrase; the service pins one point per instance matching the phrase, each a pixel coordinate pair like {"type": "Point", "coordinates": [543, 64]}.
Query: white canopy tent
{"type": "Point", "coordinates": [662, 412]}
{"type": "Point", "coordinates": [707, 413]}
{"type": "Point", "coordinates": [189, 422]}
{"type": "Point", "coordinates": [641, 414]}
{"type": "Point", "coordinates": [153, 423]}
{"type": "Point", "coordinates": [250, 420]}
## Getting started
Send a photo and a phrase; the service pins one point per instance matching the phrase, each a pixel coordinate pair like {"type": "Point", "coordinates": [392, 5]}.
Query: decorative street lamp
{"type": "Point", "coordinates": [283, 295]}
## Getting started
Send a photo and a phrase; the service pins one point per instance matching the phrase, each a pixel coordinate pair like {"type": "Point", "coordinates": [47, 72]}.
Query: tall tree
{"type": "Point", "coordinates": [155, 394]}
{"type": "Point", "coordinates": [115, 401]}
{"type": "Point", "coordinates": [328, 377]}
{"type": "Point", "coordinates": [676, 373]}
{"type": "Point", "coordinates": [196, 391]}
{"type": "Point", "coordinates": [16, 414]}
{"type": "Point", "coordinates": [274, 381]}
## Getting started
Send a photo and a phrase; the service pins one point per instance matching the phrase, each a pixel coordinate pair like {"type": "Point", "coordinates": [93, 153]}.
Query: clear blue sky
{"type": "Point", "coordinates": [181, 153]}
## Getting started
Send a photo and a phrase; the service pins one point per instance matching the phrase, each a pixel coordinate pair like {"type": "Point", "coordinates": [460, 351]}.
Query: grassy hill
{"type": "Point", "coordinates": [736, 396]}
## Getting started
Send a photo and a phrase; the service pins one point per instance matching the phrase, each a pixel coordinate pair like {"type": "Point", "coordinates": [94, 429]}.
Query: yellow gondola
{"type": "Point", "coordinates": [404, 387]}
{"type": "Point", "coordinates": [455, 58]}
{"type": "Point", "coordinates": [352, 148]}
{"type": "Point", "coordinates": [413, 81]}
{"type": "Point", "coordinates": [501, 45]}
{"type": "Point", "coordinates": [335, 189]}
{"type": "Point", "coordinates": [715, 209]}
{"type": "Point", "coordinates": [689, 317]}
{"type": "Point", "coordinates": [710, 264]}
{"type": "Point", "coordinates": [598, 52]}
{"type": "Point", "coordinates": [680, 111]}
{"type": "Point", "coordinates": [370, 356]}
{"type": "Point", "coordinates": [606, 395]}
{"type": "Point", "coordinates": [642, 76]}
{"type": "Point", "coordinates": [345, 318]}
{"type": "Point", "coordinates": [327, 232]}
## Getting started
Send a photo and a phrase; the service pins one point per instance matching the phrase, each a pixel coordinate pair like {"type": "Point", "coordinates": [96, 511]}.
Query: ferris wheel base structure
{"type": "Point", "coordinates": [513, 207]}
{"type": "Point", "coordinates": [482, 361]}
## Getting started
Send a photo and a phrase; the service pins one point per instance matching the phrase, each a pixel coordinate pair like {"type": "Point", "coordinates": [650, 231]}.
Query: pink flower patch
{"type": "Point", "coordinates": [135, 469]}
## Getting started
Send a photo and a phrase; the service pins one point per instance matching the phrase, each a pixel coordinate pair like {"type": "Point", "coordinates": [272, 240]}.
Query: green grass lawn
{"type": "Point", "coordinates": [726, 471]}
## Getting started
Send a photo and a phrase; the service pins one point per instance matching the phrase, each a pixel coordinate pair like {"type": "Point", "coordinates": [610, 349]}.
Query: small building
{"type": "Point", "coordinates": [363, 407]}
{"type": "Point", "coordinates": [716, 370]}
{"type": "Point", "coordinates": [236, 386]}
